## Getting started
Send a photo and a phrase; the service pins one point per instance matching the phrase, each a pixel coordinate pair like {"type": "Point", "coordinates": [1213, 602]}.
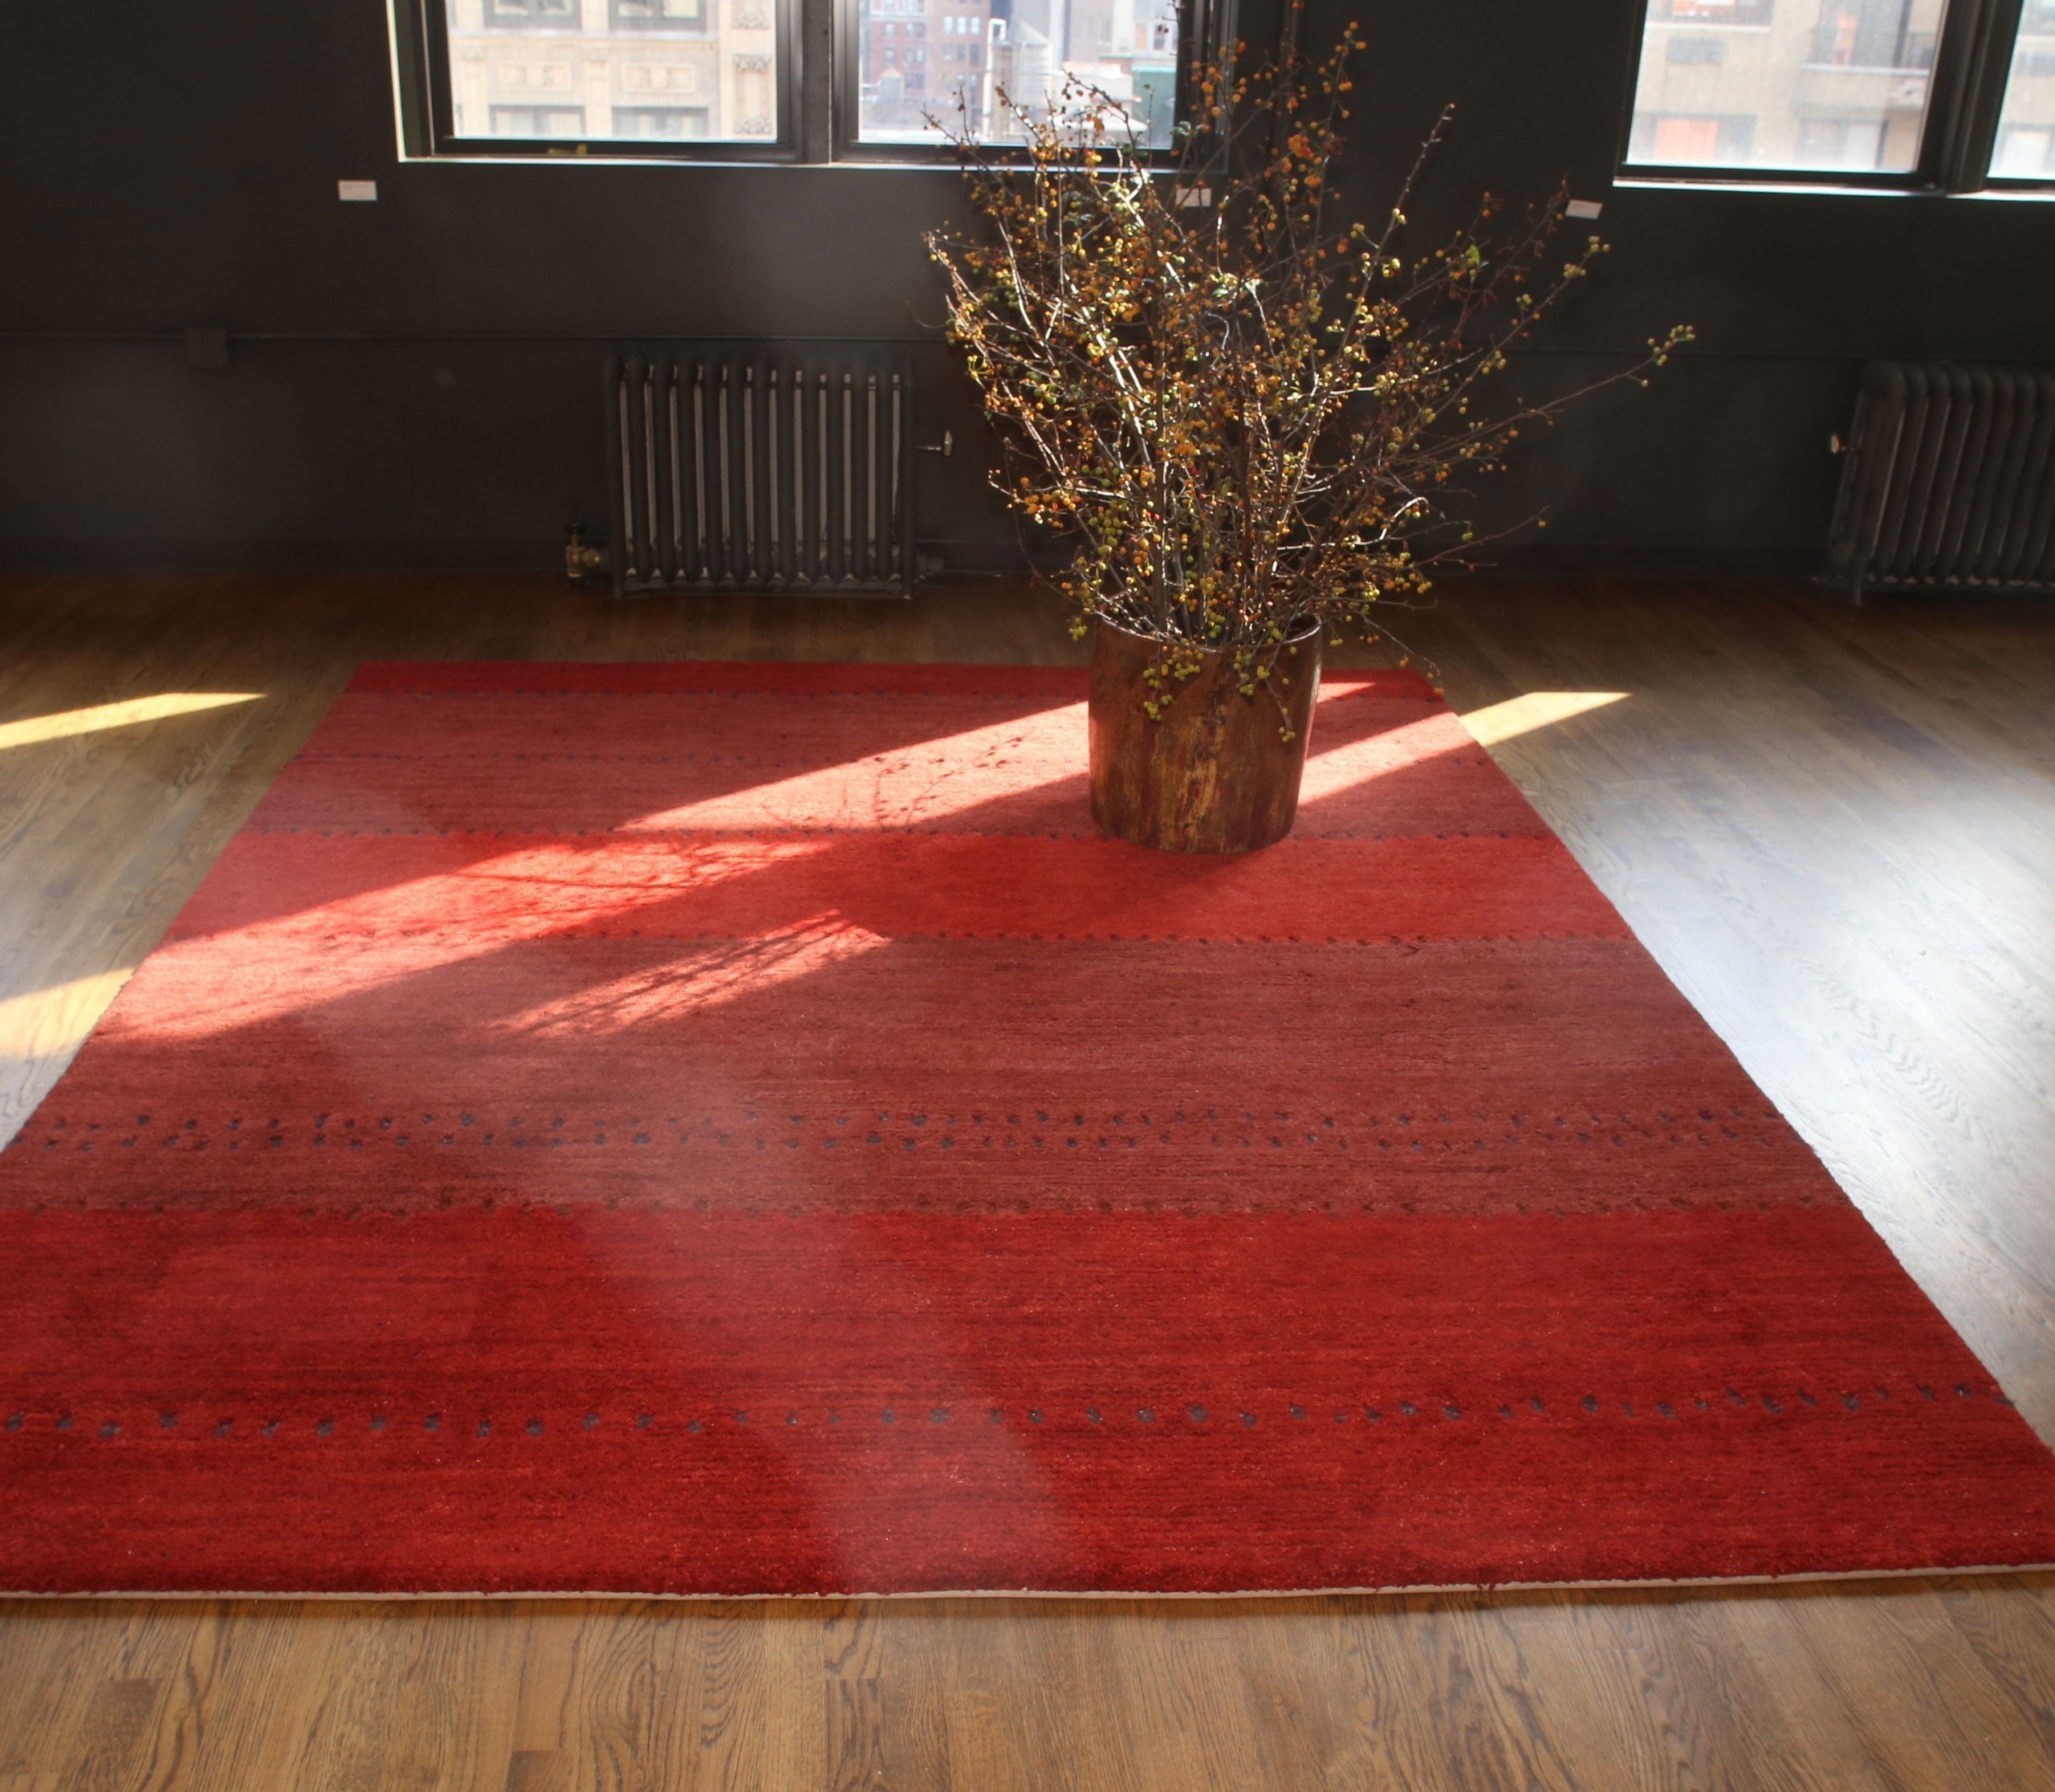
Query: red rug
{"type": "Point", "coordinates": [734, 1128]}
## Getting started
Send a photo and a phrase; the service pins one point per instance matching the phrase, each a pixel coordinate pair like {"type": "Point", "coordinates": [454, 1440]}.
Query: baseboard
{"type": "Point", "coordinates": [207, 554]}
{"type": "Point", "coordinates": [212, 554]}
{"type": "Point", "coordinates": [1669, 562]}
{"type": "Point", "coordinates": [1006, 559]}
{"type": "Point", "coordinates": [1551, 561]}
{"type": "Point", "coordinates": [1541, 560]}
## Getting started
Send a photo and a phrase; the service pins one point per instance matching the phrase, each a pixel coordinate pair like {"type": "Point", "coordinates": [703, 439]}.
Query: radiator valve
{"type": "Point", "coordinates": [579, 555]}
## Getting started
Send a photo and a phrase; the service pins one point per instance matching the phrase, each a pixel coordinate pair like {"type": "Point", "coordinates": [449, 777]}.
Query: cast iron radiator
{"type": "Point", "coordinates": [1950, 481]}
{"type": "Point", "coordinates": [743, 467]}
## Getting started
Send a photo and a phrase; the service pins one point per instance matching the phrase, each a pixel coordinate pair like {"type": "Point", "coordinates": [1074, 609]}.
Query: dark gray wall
{"type": "Point", "coordinates": [415, 381]}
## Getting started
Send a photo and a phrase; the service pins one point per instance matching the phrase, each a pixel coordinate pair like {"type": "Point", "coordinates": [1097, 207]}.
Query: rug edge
{"type": "Point", "coordinates": [1398, 1589]}
{"type": "Point", "coordinates": [798, 677]}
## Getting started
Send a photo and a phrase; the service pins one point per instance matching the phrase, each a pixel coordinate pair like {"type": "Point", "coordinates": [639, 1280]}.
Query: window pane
{"type": "Point", "coordinates": [539, 121]}
{"type": "Point", "coordinates": [947, 60]}
{"type": "Point", "coordinates": [632, 71]}
{"type": "Point", "coordinates": [1829, 87]}
{"type": "Point", "coordinates": [2025, 149]}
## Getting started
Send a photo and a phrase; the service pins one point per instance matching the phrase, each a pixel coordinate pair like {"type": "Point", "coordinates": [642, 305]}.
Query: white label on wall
{"type": "Point", "coordinates": [356, 189]}
{"type": "Point", "coordinates": [1583, 208]}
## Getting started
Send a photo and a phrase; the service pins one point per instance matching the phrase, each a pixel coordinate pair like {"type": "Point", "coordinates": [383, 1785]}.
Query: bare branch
{"type": "Point", "coordinates": [1241, 417]}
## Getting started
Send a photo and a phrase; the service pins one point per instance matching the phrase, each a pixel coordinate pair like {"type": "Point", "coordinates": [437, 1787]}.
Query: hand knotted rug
{"type": "Point", "coordinates": [734, 1129]}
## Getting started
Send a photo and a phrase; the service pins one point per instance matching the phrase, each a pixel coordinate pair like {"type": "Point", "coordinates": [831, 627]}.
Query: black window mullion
{"type": "Point", "coordinates": [1969, 73]}
{"type": "Point", "coordinates": [1207, 32]}
{"type": "Point", "coordinates": [416, 81]}
{"type": "Point", "coordinates": [814, 49]}
{"type": "Point", "coordinates": [442, 117]}
{"type": "Point", "coordinates": [842, 87]}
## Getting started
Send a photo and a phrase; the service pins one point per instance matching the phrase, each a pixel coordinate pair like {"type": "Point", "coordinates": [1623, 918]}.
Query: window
{"type": "Point", "coordinates": [2025, 146]}
{"type": "Point", "coordinates": [721, 79]}
{"type": "Point", "coordinates": [1026, 49]}
{"type": "Point", "coordinates": [1895, 93]}
{"type": "Point", "coordinates": [605, 77]}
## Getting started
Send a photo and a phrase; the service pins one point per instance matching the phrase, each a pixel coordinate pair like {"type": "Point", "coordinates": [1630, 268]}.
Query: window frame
{"type": "Point", "coordinates": [427, 98]}
{"type": "Point", "coordinates": [1966, 89]}
{"type": "Point", "coordinates": [818, 84]}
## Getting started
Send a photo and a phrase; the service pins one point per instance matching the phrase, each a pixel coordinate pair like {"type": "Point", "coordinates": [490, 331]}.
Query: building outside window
{"type": "Point", "coordinates": [602, 62]}
{"type": "Point", "coordinates": [530, 14]}
{"type": "Point", "coordinates": [1126, 49]}
{"type": "Point", "coordinates": [2025, 147]}
{"type": "Point", "coordinates": [538, 121]}
{"type": "Point", "coordinates": [1693, 139]}
{"type": "Point", "coordinates": [675, 123]}
{"type": "Point", "coordinates": [1843, 143]}
{"type": "Point", "coordinates": [658, 15]}
{"type": "Point", "coordinates": [1830, 86]}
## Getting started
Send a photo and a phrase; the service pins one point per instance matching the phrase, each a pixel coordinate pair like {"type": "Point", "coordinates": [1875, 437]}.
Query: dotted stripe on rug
{"type": "Point", "coordinates": [29, 1422]}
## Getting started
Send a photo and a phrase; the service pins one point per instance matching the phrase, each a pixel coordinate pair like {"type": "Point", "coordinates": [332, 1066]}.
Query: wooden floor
{"type": "Point", "coordinates": [1836, 829]}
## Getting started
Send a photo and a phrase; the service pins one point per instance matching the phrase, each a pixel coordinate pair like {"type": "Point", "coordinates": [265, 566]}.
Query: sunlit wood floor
{"type": "Point", "coordinates": [1835, 828]}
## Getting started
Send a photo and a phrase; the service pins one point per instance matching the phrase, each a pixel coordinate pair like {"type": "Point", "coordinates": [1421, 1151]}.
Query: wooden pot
{"type": "Point", "coordinates": [1212, 774]}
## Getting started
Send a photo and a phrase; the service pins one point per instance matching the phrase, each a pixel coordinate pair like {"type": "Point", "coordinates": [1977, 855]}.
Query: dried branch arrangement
{"type": "Point", "coordinates": [1245, 416]}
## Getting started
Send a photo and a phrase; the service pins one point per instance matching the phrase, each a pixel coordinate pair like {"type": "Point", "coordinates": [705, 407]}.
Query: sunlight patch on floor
{"type": "Point", "coordinates": [1497, 723]}
{"type": "Point", "coordinates": [46, 1022]}
{"type": "Point", "coordinates": [36, 730]}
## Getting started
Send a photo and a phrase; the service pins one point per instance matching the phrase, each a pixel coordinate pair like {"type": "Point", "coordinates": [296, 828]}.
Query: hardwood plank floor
{"type": "Point", "coordinates": [1836, 829]}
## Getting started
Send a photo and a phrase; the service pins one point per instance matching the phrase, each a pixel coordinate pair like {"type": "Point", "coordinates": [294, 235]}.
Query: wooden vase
{"type": "Point", "coordinates": [1213, 773]}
